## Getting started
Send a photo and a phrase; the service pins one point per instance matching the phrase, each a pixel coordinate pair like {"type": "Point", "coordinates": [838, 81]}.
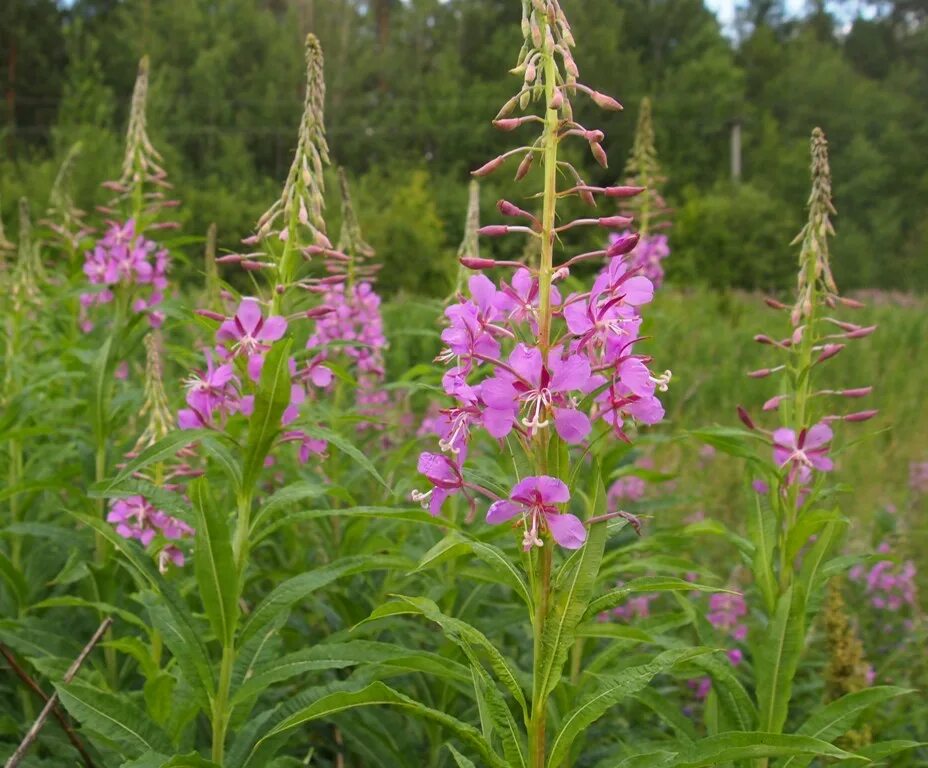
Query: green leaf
{"type": "Point", "coordinates": [839, 716]}
{"type": "Point", "coordinates": [733, 700]}
{"type": "Point", "coordinates": [762, 530]}
{"type": "Point", "coordinates": [101, 382]}
{"type": "Point", "coordinates": [284, 595]}
{"type": "Point", "coordinates": [611, 690]}
{"type": "Point", "coordinates": [225, 459]}
{"type": "Point", "coordinates": [808, 524]}
{"type": "Point", "coordinates": [348, 654]}
{"type": "Point", "coordinates": [727, 747]}
{"type": "Point", "coordinates": [456, 544]}
{"type": "Point", "coordinates": [462, 761]}
{"type": "Point", "coordinates": [271, 401]}
{"type": "Point", "coordinates": [14, 580]}
{"type": "Point", "coordinates": [214, 565]}
{"type": "Point", "coordinates": [660, 759]}
{"type": "Point", "coordinates": [378, 694]}
{"type": "Point", "coordinates": [346, 447]}
{"type": "Point", "coordinates": [669, 712]}
{"type": "Point", "coordinates": [492, 706]}
{"type": "Point", "coordinates": [284, 497]}
{"type": "Point", "coordinates": [570, 602]}
{"type": "Point", "coordinates": [397, 514]}
{"type": "Point", "coordinates": [646, 584]}
{"type": "Point", "coordinates": [165, 448]}
{"type": "Point", "coordinates": [190, 760]}
{"type": "Point", "coordinates": [777, 658]}
{"type": "Point", "coordinates": [815, 558]}
{"type": "Point", "coordinates": [467, 638]}
{"type": "Point", "coordinates": [883, 749]}
{"type": "Point", "coordinates": [114, 717]}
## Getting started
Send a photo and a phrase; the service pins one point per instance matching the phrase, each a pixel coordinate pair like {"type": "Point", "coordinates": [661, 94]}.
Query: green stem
{"type": "Point", "coordinates": [546, 267]}
{"type": "Point", "coordinates": [220, 714]}
{"type": "Point", "coordinates": [539, 695]}
{"type": "Point", "coordinates": [240, 542]}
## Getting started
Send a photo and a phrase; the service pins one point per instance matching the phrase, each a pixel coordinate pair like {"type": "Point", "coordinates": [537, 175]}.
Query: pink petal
{"type": "Point", "coordinates": [572, 373]}
{"type": "Point", "coordinates": [526, 361]}
{"type": "Point", "coordinates": [501, 511]}
{"type": "Point", "coordinates": [638, 290]}
{"type": "Point", "coordinates": [571, 425]}
{"type": "Point", "coordinates": [274, 327]}
{"type": "Point", "coordinates": [816, 437]}
{"type": "Point", "coordinates": [567, 530]}
{"type": "Point", "coordinates": [249, 314]}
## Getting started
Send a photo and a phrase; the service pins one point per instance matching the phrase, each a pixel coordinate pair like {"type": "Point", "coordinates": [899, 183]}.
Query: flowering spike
{"type": "Point", "coordinates": [160, 420]}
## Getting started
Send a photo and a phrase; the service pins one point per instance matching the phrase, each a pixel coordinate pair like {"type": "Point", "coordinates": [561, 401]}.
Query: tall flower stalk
{"type": "Point", "coordinates": [571, 361]}
{"type": "Point", "coordinates": [795, 527]}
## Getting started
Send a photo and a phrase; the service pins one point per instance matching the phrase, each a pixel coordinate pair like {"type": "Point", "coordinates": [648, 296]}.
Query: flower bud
{"type": "Point", "coordinates": [615, 222]}
{"type": "Point", "coordinates": [761, 338]}
{"type": "Point", "coordinates": [587, 197]}
{"type": "Point", "coordinates": [773, 403]}
{"type": "Point", "coordinates": [623, 191]}
{"type": "Point", "coordinates": [852, 303]}
{"type": "Point", "coordinates": [594, 136]}
{"type": "Point", "coordinates": [525, 166]}
{"type": "Point", "coordinates": [557, 99]}
{"type": "Point", "coordinates": [623, 245]}
{"type": "Point", "coordinates": [230, 258]}
{"type": "Point", "coordinates": [861, 333]}
{"type": "Point", "coordinates": [486, 170]}
{"type": "Point", "coordinates": [858, 392]}
{"type": "Point", "coordinates": [760, 373]}
{"type": "Point", "coordinates": [599, 153]}
{"type": "Point", "coordinates": [472, 262]}
{"type": "Point", "coordinates": [508, 123]}
{"type": "Point", "coordinates": [508, 209]}
{"type": "Point", "coordinates": [605, 102]}
{"type": "Point", "coordinates": [861, 415]}
{"type": "Point", "coordinates": [773, 303]}
{"type": "Point", "coordinates": [211, 315]}
{"type": "Point", "coordinates": [253, 266]}
{"type": "Point", "coordinates": [493, 230]}
{"type": "Point", "coordinates": [829, 351]}
{"type": "Point", "coordinates": [745, 418]}
{"type": "Point", "coordinates": [321, 311]}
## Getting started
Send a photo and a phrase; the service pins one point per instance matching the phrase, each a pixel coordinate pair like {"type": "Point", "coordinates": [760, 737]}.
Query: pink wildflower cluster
{"type": "Point", "coordinates": [354, 328]}
{"type": "Point", "coordinates": [233, 368]}
{"type": "Point", "coordinates": [136, 518]}
{"type": "Point", "coordinates": [647, 255]}
{"type": "Point", "coordinates": [637, 607]}
{"type": "Point", "coordinates": [125, 260]}
{"type": "Point", "coordinates": [890, 586]}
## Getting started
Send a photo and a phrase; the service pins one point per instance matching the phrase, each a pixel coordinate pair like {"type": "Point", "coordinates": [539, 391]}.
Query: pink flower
{"type": "Point", "coordinates": [536, 500]}
{"type": "Point", "coordinates": [531, 386]}
{"type": "Point", "coordinates": [803, 453]}
{"type": "Point", "coordinates": [444, 474]}
{"type": "Point", "coordinates": [250, 334]}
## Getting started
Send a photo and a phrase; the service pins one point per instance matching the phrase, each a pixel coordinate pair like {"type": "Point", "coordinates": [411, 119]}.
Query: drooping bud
{"type": "Point", "coordinates": [488, 168]}
{"type": "Point", "coordinates": [615, 222]}
{"type": "Point", "coordinates": [861, 416]}
{"type": "Point", "coordinates": [599, 153]}
{"type": "Point", "coordinates": [829, 351]}
{"type": "Point", "coordinates": [525, 166]}
{"type": "Point", "coordinates": [623, 191]}
{"type": "Point", "coordinates": [493, 230]}
{"type": "Point", "coordinates": [605, 102]}
{"type": "Point", "coordinates": [623, 245]}
{"type": "Point", "coordinates": [745, 418]}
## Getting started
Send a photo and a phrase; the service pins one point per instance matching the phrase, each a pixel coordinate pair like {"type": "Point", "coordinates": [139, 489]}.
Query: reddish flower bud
{"type": "Point", "coordinates": [253, 266]}
{"type": "Point", "coordinates": [525, 166]}
{"type": "Point", "coordinates": [557, 99]}
{"type": "Point", "coordinates": [861, 416]}
{"type": "Point", "coordinates": [321, 311]}
{"type": "Point", "coordinates": [774, 304]}
{"type": "Point", "coordinates": [322, 240]}
{"type": "Point", "coordinates": [745, 418]}
{"type": "Point", "coordinates": [773, 403]}
{"type": "Point", "coordinates": [623, 245]}
{"type": "Point", "coordinates": [605, 102]}
{"type": "Point", "coordinates": [599, 153]}
{"type": "Point", "coordinates": [615, 222]}
{"type": "Point", "coordinates": [623, 191]}
{"type": "Point", "coordinates": [852, 303]}
{"type": "Point", "coordinates": [761, 338]}
{"type": "Point", "coordinates": [760, 373]}
{"type": "Point", "coordinates": [594, 136]}
{"type": "Point", "coordinates": [829, 351]}
{"type": "Point", "coordinates": [211, 315]}
{"type": "Point", "coordinates": [476, 263]}
{"type": "Point", "coordinates": [861, 333]}
{"type": "Point", "coordinates": [230, 258]}
{"type": "Point", "coordinates": [587, 197]}
{"type": "Point", "coordinates": [509, 209]}
{"type": "Point", "coordinates": [493, 230]}
{"type": "Point", "coordinates": [508, 123]}
{"type": "Point", "coordinates": [486, 170]}
{"type": "Point", "coordinates": [858, 392]}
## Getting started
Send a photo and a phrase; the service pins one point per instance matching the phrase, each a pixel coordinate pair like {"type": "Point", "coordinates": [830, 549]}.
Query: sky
{"type": "Point", "coordinates": [725, 9]}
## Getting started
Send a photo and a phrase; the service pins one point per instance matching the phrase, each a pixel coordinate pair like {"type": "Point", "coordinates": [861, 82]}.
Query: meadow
{"type": "Point", "coordinates": [570, 514]}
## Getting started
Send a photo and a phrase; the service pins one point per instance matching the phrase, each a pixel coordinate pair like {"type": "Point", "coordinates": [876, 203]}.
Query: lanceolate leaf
{"type": "Point", "coordinates": [837, 717]}
{"type": "Point", "coordinates": [271, 401]}
{"type": "Point", "coordinates": [611, 690]}
{"type": "Point", "coordinates": [727, 747]}
{"type": "Point", "coordinates": [570, 603]}
{"type": "Point", "coordinates": [299, 587]}
{"type": "Point", "coordinates": [348, 654]}
{"type": "Point", "coordinates": [762, 526]}
{"type": "Point", "coordinates": [214, 563]}
{"type": "Point", "coordinates": [378, 694]}
{"type": "Point", "coordinates": [114, 717]}
{"type": "Point", "coordinates": [346, 447]}
{"type": "Point", "coordinates": [645, 584]}
{"type": "Point", "coordinates": [777, 658]}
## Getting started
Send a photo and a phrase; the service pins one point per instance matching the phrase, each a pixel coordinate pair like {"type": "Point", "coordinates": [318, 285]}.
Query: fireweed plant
{"type": "Point", "coordinates": [795, 526]}
{"type": "Point", "coordinates": [551, 375]}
